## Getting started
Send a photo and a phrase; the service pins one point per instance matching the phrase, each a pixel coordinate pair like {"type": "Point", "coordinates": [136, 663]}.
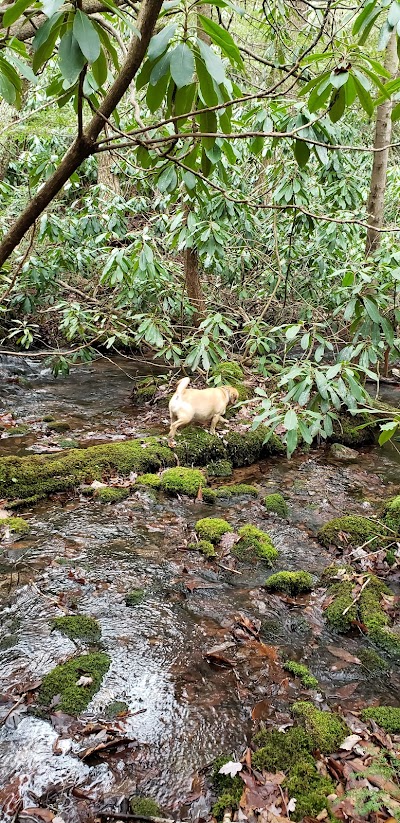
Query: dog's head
{"type": "Point", "coordinates": [232, 393]}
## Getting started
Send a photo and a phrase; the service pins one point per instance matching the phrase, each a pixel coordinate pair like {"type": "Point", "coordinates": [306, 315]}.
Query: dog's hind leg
{"type": "Point", "coordinates": [176, 424]}
{"type": "Point", "coordinates": [214, 421]}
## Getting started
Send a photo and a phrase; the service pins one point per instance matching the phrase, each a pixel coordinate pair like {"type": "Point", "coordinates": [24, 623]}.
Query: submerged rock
{"type": "Point", "coordinates": [343, 453]}
{"type": "Point", "coordinates": [63, 681]}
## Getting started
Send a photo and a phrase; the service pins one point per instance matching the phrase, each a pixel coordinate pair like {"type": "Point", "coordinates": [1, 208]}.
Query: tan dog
{"type": "Point", "coordinates": [198, 406]}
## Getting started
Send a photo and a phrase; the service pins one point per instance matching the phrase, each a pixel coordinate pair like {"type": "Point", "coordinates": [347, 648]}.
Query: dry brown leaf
{"type": "Point", "coordinates": [84, 681]}
{"type": "Point", "coordinates": [342, 654]}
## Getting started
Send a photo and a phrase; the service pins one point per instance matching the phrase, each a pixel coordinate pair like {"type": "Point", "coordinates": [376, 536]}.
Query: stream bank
{"type": "Point", "coordinates": [83, 556]}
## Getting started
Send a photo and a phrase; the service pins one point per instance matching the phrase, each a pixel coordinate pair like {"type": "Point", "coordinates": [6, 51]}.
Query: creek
{"type": "Point", "coordinates": [80, 554]}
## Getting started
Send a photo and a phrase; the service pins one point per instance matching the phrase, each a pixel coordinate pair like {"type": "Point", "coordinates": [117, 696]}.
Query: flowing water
{"type": "Point", "coordinates": [79, 554]}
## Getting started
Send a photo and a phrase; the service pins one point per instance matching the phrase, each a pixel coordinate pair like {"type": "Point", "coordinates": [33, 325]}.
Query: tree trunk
{"type": "Point", "coordinates": [193, 284]}
{"type": "Point", "coordinates": [85, 145]}
{"type": "Point", "coordinates": [383, 133]}
{"type": "Point", "coordinates": [106, 176]}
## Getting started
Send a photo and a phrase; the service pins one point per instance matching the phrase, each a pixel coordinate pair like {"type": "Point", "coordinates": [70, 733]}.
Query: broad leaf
{"type": "Point", "coordinates": [100, 69]}
{"type": "Point", "coordinates": [12, 14]}
{"type": "Point", "coordinates": [223, 39]}
{"type": "Point", "coordinates": [214, 64]}
{"type": "Point", "coordinates": [337, 105]}
{"type": "Point", "coordinates": [182, 65]}
{"type": "Point", "coordinates": [160, 41]}
{"type": "Point", "coordinates": [43, 33]}
{"type": "Point", "coordinates": [301, 152]}
{"type": "Point", "coordinates": [86, 36]}
{"type": "Point", "coordinates": [70, 58]}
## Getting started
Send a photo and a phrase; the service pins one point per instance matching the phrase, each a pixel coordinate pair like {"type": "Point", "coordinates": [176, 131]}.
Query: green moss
{"type": "Point", "coordinates": [372, 661]}
{"type": "Point", "coordinates": [388, 717]}
{"type": "Point", "coordinates": [209, 495]}
{"type": "Point", "coordinates": [300, 670]}
{"type": "Point", "coordinates": [68, 443]}
{"type": "Point", "coordinates": [229, 789]}
{"type": "Point", "coordinates": [237, 489]}
{"type": "Point", "coordinates": [309, 788]}
{"type": "Point", "coordinates": [203, 546]}
{"type": "Point", "coordinates": [375, 619]}
{"type": "Point", "coordinates": [212, 528]}
{"type": "Point", "coordinates": [15, 524]}
{"type": "Point", "coordinates": [111, 494]}
{"type": "Point", "coordinates": [229, 371]}
{"type": "Point", "coordinates": [391, 515]}
{"type": "Point", "coordinates": [279, 751]}
{"type": "Point", "coordinates": [277, 504]}
{"type": "Point", "coordinates": [63, 678]}
{"type": "Point", "coordinates": [197, 447]}
{"type": "Point", "coordinates": [152, 480]}
{"type": "Point", "coordinates": [144, 806]}
{"type": "Point", "coordinates": [182, 481]}
{"type": "Point", "coordinates": [78, 626]}
{"type": "Point", "coordinates": [254, 543]}
{"type": "Point", "coordinates": [134, 597]}
{"type": "Point", "coordinates": [116, 708]}
{"type": "Point", "coordinates": [22, 428]}
{"type": "Point", "coordinates": [219, 468]}
{"type": "Point", "coordinates": [246, 448]}
{"type": "Point", "coordinates": [39, 475]}
{"type": "Point", "coordinates": [352, 430]}
{"type": "Point", "coordinates": [290, 582]}
{"type": "Point", "coordinates": [342, 593]}
{"type": "Point", "coordinates": [327, 730]}
{"type": "Point", "coordinates": [58, 426]}
{"type": "Point", "coordinates": [48, 418]}
{"type": "Point", "coordinates": [358, 530]}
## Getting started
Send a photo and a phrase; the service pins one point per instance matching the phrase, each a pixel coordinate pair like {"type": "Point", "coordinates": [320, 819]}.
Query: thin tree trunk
{"type": "Point", "coordinates": [105, 174]}
{"type": "Point", "coordinates": [85, 145]}
{"type": "Point", "coordinates": [383, 133]}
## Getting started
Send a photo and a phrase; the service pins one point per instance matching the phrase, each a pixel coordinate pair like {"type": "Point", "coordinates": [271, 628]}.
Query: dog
{"type": "Point", "coordinates": [198, 406]}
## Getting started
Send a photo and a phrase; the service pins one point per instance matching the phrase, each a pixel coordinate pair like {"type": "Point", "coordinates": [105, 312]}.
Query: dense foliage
{"type": "Point", "coordinates": [222, 211]}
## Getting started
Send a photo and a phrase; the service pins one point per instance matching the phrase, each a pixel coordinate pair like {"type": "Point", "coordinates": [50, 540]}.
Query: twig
{"type": "Point", "coordinates": [14, 706]}
{"type": "Point", "coordinates": [120, 816]}
{"type": "Point", "coordinates": [227, 569]}
{"type": "Point", "coordinates": [357, 597]}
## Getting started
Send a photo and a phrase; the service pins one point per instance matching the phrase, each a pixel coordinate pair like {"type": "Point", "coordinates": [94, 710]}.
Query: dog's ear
{"type": "Point", "coordinates": [233, 394]}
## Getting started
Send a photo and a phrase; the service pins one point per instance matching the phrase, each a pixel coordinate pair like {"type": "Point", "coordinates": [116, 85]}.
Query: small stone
{"type": "Point", "coordinates": [343, 453]}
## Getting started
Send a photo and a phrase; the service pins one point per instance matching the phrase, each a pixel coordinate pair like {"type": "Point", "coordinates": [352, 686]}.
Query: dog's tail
{"type": "Point", "coordinates": [182, 385]}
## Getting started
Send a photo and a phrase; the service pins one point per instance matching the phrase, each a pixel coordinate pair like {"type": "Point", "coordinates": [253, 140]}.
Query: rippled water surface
{"type": "Point", "coordinates": [81, 555]}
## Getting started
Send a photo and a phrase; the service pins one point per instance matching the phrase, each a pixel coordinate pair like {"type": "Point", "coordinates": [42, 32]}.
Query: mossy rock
{"type": "Point", "coordinates": [144, 806]}
{"type": "Point", "coordinates": [134, 597]}
{"type": "Point", "coordinates": [78, 626]}
{"type": "Point", "coordinates": [300, 670]}
{"type": "Point", "coordinates": [21, 429]}
{"type": "Point", "coordinates": [343, 601]}
{"type": "Point", "coordinates": [219, 468]}
{"type": "Point", "coordinates": [309, 788]}
{"type": "Point", "coordinates": [229, 789]}
{"type": "Point", "coordinates": [15, 524]}
{"type": "Point", "coordinates": [291, 583]}
{"type": "Point", "coordinates": [245, 449]}
{"type": "Point", "coordinates": [38, 475]}
{"type": "Point", "coordinates": [62, 680]}
{"type": "Point", "coordinates": [111, 494]}
{"type": "Point", "coordinates": [376, 620]}
{"type": "Point", "coordinates": [116, 708]}
{"type": "Point", "coordinates": [48, 418]}
{"type": "Point", "coordinates": [67, 443]}
{"type": "Point", "coordinates": [387, 717]}
{"type": "Point", "coordinates": [353, 431]}
{"type": "Point", "coordinates": [254, 544]}
{"type": "Point", "coordinates": [276, 503]}
{"type": "Point", "coordinates": [237, 490]}
{"type": "Point", "coordinates": [205, 547]}
{"type": "Point", "coordinates": [209, 495]}
{"type": "Point", "coordinates": [391, 515]}
{"type": "Point", "coordinates": [58, 426]}
{"type": "Point", "coordinates": [230, 373]}
{"type": "Point", "coordinates": [182, 481]}
{"type": "Point", "coordinates": [153, 481]}
{"type": "Point", "coordinates": [357, 529]}
{"type": "Point", "coordinates": [279, 751]}
{"type": "Point", "coordinates": [327, 730]}
{"type": "Point", "coordinates": [212, 529]}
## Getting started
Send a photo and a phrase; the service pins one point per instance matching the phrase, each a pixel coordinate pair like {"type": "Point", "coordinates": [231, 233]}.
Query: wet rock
{"type": "Point", "coordinates": [343, 453]}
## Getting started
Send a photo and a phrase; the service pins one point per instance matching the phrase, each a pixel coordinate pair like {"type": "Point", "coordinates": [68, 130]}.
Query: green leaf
{"type": "Point", "coordinates": [107, 44]}
{"type": "Point", "coordinates": [364, 97]}
{"type": "Point", "coordinates": [339, 79]}
{"type": "Point", "coordinates": [394, 14]}
{"type": "Point", "coordinates": [292, 332]}
{"type": "Point", "coordinates": [348, 279]}
{"type": "Point", "coordinates": [12, 14]}
{"type": "Point", "coordinates": [372, 309]}
{"type": "Point", "coordinates": [387, 432]}
{"type": "Point", "coordinates": [70, 58]}
{"type": "Point", "coordinates": [7, 89]}
{"type": "Point", "coordinates": [290, 420]}
{"type": "Point", "coordinates": [385, 35]}
{"type": "Point", "coordinates": [379, 68]}
{"type": "Point", "coordinates": [321, 383]}
{"type": "Point", "coordinates": [213, 63]}
{"type": "Point", "coordinates": [160, 68]}
{"type": "Point", "coordinates": [100, 69]}
{"type": "Point", "coordinates": [189, 179]}
{"type": "Point", "coordinates": [396, 112]}
{"type": "Point", "coordinates": [291, 442]}
{"type": "Point", "coordinates": [337, 104]}
{"type": "Point", "coordinates": [208, 123]}
{"type": "Point", "coordinates": [223, 39]}
{"type": "Point", "coordinates": [43, 33]}
{"type": "Point", "coordinates": [159, 41]}
{"type": "Point", "coordinates": [184, 100]}
{"type": "Point", "coordinates": [155, 94]}
{"type": "Point", "coordinates": [301, 152]}
{"type": "Point", "coordinates": [86, 36]}
{"type": "Point", "coordinates": [362, 17]}
{"type": "Point", "coordinates": [51, 6]}
{"type": "Point", "coordinates": [208, 94]}
{"type": "Point", "coordinates": [23, 69]}
{"type": "Point", "coordinates": [182, 65]}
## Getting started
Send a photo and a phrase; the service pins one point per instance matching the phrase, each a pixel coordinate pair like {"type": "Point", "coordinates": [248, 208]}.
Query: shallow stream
{"type": "Point", "coordinates": [80, 554]}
